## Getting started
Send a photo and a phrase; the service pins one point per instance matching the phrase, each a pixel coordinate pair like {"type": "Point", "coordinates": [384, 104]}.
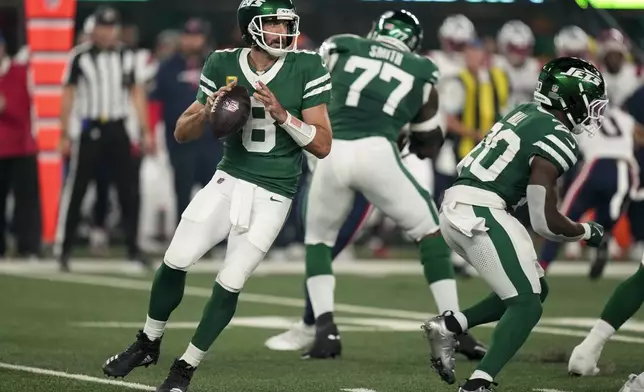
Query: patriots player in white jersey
{"type": "Point", "coordinates": [621, 75]}
{"type": "Point", "coordinates": [454, 34]}
{"type": "Point", "coordinates": [572, 41]}
{"type": "Point", "coordinates": [516, 42]}
{"type": "Point", "coordinates": [604, 182]}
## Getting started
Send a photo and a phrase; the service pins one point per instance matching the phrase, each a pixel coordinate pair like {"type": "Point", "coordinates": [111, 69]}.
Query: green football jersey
{"type": "Point", "coordinates": [500, 163]}
{"type": "Point", "coordinates": [376, 89]}
{"type": "Point", "coordinates": [262, 153]}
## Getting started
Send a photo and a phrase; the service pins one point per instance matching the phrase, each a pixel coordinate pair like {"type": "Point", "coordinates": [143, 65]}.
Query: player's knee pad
{"type": "Point", "coordinates": [544, 289]}
{"type": "Point", "coordinates": [179, 259]}
{"type": "Point", "coordinates": [427, 225]}
{"type": "Point", "coordinates": [233, 277]}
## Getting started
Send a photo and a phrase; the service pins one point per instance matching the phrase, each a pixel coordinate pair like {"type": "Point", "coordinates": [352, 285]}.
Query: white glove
{"type": "Point", "coordinates": [634, 384]}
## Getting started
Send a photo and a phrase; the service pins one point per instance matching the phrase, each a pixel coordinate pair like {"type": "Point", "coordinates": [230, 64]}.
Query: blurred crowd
{"type": "Point", "coordinates": [481, 78]}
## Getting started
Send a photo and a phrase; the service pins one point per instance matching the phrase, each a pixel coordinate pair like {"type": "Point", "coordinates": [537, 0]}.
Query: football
{"type": "Point", "coordinates": [229, 112]}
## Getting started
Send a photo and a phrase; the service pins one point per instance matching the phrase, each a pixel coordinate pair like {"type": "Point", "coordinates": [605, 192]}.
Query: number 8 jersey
{"type": "Point", "coordinates": [263, 153]}
{"type": "Point", "coordinates": [376, 89]}
{"type": "Point", "coordinates": [500, 163]}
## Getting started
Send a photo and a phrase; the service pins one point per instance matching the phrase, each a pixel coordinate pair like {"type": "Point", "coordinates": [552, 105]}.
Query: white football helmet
{"type": "Point", "coordinates": [572, 41]}
{"type": "Point", "coordinates": [455, 32]}
{"type": "Point", "coordinates": [516, 41]}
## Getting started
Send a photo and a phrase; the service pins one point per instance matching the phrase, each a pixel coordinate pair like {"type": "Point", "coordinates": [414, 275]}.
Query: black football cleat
{"type": "Point", "coordinates": [178, 379]}
{"type": "Point", "coordinates": [478, 385]}
{"type": "Point", "coordinates": [470, 347]}
{"type": "Point", "coordinates": [327, 340]}
{"type": "Point", "coordinates": [143, 352]}
{"type": "Point", "coordinates": [599, 262]}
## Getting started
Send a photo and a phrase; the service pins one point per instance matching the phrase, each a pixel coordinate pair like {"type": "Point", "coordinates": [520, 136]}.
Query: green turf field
{"type": "Point", "coordinates": [58, 329]}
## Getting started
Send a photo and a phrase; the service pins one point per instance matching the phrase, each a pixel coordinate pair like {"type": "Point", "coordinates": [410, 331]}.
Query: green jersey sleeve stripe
{"type": "Point", "coordinates": [317, 91]}
{"type": "Point", "coordinates": [206, 90]}
{"type": "Point", "coordinates": [563, 147]}
{"type": "Point", "coordinates": [554, 155]}
{"type": "Point", "coordinates": [209, 82]}
{"type": "Point", "coordinates": [204, 85]}
{"type": "Point", "coordinates": [317, 81]}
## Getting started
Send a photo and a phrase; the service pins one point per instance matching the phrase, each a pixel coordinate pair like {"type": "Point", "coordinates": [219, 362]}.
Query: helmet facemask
{"type": "Point", "coordinates": [594, 118]}
{"type": "Point", "coordinates": [287, 41]}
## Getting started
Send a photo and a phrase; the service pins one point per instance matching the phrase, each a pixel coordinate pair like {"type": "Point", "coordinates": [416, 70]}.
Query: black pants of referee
{"type": "Point", "coordinates": [100, 141]}
{"type": "Point", "coordinates": [19, 176]}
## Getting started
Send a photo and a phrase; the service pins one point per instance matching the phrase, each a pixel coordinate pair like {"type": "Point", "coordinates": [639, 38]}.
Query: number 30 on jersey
{"type": "Point", "coordinates": [493, 154]}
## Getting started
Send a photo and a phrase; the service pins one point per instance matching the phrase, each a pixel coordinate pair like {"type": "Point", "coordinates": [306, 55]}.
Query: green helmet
{"type": "Point", "coordinates": [251, 16]}
{"type": "Point", "coordinates": [576, 88]}
{"type": "Point", "coordinates": [398, 28]}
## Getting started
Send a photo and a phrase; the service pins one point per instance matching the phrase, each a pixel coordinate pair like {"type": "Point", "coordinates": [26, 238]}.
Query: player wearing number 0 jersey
{"type": "Point", "coordinates": [519, 159]}
{"type": "Point", "coordinates": [604, 182]}
{"type": "Point", "coordinates": [249, 197]}
{"type": "Point", "coordinates": [379, 85]}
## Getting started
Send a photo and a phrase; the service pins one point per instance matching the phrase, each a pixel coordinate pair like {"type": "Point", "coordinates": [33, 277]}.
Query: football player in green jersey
{"type": "Point", "coordinates": [379, 85]}
{"type": "Point", "coordinates": [250, 195]}
{"type": "Point", "coordinates": [520, 159]}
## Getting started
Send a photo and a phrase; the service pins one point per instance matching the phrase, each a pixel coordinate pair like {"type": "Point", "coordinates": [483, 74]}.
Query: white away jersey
{"type": "Point", "coordinates": [613, 140]}
{"type": "Point", "coordinates": [522, 79]}
{"type": "Point", "coordinates": [622, 85]}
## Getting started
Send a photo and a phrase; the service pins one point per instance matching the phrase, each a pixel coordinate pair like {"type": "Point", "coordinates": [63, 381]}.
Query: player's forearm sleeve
{"type": "Point", "coordinates": [536, 195]}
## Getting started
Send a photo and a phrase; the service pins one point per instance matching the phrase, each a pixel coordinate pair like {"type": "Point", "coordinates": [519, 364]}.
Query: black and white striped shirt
{"type": "Point", "coordinates": [103, 79]}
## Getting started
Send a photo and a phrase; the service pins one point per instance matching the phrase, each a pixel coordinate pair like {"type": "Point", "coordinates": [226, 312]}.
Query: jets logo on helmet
{"type": "Point", "coordinates": [252, 17]}
{"type": "Point", "coordinates": [400, 29]}
{"type": "Point", "coordinates": [577, 89]}
{"type": "Point", "coordinates": [251, 3]}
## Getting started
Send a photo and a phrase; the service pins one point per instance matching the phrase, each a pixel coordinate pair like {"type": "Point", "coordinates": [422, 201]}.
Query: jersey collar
{"type": "Point", "coordinates": [251, 76]}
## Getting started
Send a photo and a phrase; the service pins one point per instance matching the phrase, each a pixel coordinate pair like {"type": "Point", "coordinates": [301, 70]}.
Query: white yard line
{"type": "Point", "coordinates": [548, 390]}
{"type": "Point", "coordinates": [365, 268]}
{"type": "Point", "coordinates": [142, 387]}
{"type": "Point", "coordinates": [79, 377]}
{"type": "Point", "coordinates": [141, 285]}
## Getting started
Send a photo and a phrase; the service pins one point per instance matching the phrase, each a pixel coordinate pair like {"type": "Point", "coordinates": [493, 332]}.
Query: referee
{"type": "Point", "coordinates": [101, 75]}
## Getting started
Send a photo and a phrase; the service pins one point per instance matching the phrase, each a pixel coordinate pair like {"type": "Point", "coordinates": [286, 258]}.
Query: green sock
{"type": "Point", "coordinates": [492, 308]}
{"type": "Point", "coordinates": [216, 316]}
{"type": "Point", "coordinates": [439, 272]}
{"type": "Point", "coordinates": [522, 314]}
{"type": "Point", "coordinates": [435, 258]}
{"type": "Point", "coordinates": [625, 301]}
{"type": "Point", "coordinates": [166, 293]}
{"type": "Point", "coordinates": [318, 260]}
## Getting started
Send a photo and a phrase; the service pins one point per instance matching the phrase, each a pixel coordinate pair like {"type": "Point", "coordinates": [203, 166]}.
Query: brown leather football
{"type": "Point", "coordinates": [230, 112]}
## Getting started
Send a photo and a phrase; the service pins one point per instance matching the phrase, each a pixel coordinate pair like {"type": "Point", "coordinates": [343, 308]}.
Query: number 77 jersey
{"type": "Point", "coordinates": [377, 89]}
{"type": "Point", "coordinates": [500, 163]}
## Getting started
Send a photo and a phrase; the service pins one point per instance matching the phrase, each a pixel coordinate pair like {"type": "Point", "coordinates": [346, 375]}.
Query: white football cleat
{"type": "Point", "coordinates": [299, 337]}
{"type": "Point", "coordinates": [634, 384]}
{"type": "Point", "coordinates": [583, 362]}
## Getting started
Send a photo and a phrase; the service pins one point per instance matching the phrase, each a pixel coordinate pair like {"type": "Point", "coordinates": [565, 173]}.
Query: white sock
{"type": "Point", "coordinates": [154, 328]}
{"type": "Point", "coordinates": [445, 295]}
{"type": "Point", "coordinates": [462, 320]}
{"type": "Point", "coordinates": [599, 335]}
{"type": "Point", "coordinates": [481, 375]}
{"type": "Point", "coordinates": [193, 355]}
{"type": "Point", "coordinates": [321, 292]}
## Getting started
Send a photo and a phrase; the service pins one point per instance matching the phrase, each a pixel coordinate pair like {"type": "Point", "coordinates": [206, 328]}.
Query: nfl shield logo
{"type": "Point", "coordinates": [555, 88]}
{"type": "Point", "coordinates": [231, 106]}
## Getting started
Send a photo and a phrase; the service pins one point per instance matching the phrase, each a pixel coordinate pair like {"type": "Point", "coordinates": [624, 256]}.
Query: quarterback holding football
{"type": "Point", "coordinates": [249, 197]}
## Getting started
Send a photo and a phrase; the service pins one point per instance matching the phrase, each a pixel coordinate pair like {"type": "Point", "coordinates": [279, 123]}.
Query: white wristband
{"type": "Point", "coordinates": [301, 132]}
{"type": "Point", "coordinates": [587, 230]}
